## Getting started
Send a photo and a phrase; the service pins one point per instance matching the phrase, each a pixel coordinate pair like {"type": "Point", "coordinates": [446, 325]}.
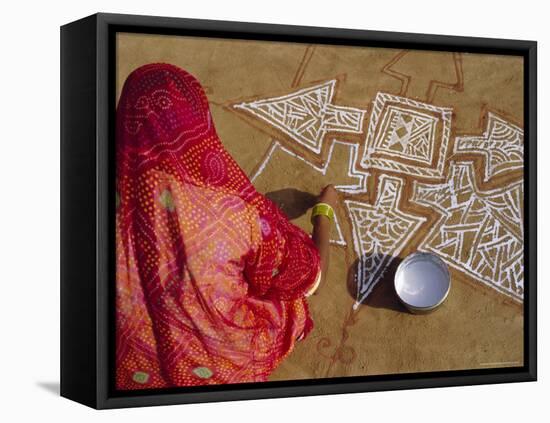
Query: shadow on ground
{"type": "Point", "coordinates": [294, 203]}
{"type": "Point", "coordinates": [51, 387]}
{"type": "Point", "coordinates": [383, 295]}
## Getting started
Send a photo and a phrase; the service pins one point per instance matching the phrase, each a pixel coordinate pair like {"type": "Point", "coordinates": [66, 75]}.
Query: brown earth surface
{"type": "Point", "coordinates": [478, 326]}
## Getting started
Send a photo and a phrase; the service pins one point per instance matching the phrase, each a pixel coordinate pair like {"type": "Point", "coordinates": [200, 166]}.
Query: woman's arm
{"type": "Point", "coordinates": [321, 228]}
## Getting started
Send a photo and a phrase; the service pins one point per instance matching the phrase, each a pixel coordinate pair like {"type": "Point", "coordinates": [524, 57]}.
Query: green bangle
{"type": "Point", "coordinates": [322, 209]}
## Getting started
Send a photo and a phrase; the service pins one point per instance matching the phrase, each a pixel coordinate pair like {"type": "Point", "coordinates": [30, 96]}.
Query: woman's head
{"type": "Point", "coordinates": [161, 106]}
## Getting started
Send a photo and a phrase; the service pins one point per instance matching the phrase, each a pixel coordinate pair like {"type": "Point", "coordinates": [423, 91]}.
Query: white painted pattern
{"type": "Point", "coordinates": [402, 136]}
{"type": "Point", "coordinates": [337, 238]}
{"type": "Point", "coordinates": [479, 232]}
{"type": "Point", "coordinates": [352, 172]}
{"type": "Point", "coordinates": [380, 232]}
{"type": "Point", "coordinates": [307, 115]}
{"type": "Point", "coordinates": [407, 134]}
{"type": "Point", "coordinates": [501, 144]}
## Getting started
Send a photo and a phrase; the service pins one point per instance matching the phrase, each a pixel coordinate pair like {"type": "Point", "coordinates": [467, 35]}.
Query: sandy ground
{"type": "Point", "coordinates": [479, 325]}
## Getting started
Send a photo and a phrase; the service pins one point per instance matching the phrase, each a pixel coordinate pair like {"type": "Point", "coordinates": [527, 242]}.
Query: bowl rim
{"type": "Point", "coordinates": [433, 257]}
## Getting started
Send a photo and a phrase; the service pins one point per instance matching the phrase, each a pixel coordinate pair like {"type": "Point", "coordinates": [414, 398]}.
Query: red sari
{"type": "Point", "coordinates": [211, 276]}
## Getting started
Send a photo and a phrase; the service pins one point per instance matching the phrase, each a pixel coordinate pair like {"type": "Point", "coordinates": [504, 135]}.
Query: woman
{"type": "Point", "coordinates": [211, 276]}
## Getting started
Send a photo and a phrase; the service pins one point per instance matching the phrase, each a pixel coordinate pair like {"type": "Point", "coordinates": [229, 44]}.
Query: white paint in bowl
{"type": "Point", "coordinates": [422, 281]}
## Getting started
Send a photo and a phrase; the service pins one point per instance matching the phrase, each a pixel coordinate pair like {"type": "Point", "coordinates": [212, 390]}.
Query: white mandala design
{"type": "Point", "coordinates": [380, 232]}
{"type": "Point", "coordinates": [480, 232]}
{"type": "Point", "coordinates": [307, 115]}
{"type": "Point", "coordinates": [407, 136]}
{"type": "Point", "coordinates": [501, 144]}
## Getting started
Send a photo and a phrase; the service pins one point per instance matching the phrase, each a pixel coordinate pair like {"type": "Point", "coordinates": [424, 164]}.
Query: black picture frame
{"type": "Point", "coordinates": [87, 209]}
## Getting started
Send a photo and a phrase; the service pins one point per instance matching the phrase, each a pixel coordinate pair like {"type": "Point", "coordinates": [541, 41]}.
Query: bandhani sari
{"type": "Point", "coordinates": [211, 276]}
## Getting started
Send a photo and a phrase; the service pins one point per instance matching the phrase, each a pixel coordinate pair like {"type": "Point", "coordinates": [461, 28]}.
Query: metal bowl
{"type": "Point", "coordinates": [422, 282]}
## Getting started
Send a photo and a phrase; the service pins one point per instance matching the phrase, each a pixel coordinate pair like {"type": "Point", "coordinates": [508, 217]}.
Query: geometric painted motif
{"type": "Point", "coordinates": [353, 171]}
{"type": "Point", "coordinates": [501, 144]}
{"type": "Point", "coordinates": [380, 232]}
{"type": "Point", "coordinates": [307, 115]}
{"type": "Point", "coordinates": [353, 179]}
{"type": "Point", "coordinates": [407, 136]}
{"type": "Point", "coordinates": [479, 232]}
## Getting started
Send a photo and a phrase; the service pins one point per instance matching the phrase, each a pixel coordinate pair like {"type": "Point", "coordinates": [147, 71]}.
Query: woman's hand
{"type": "Point", "coordinates": [329, 195]}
